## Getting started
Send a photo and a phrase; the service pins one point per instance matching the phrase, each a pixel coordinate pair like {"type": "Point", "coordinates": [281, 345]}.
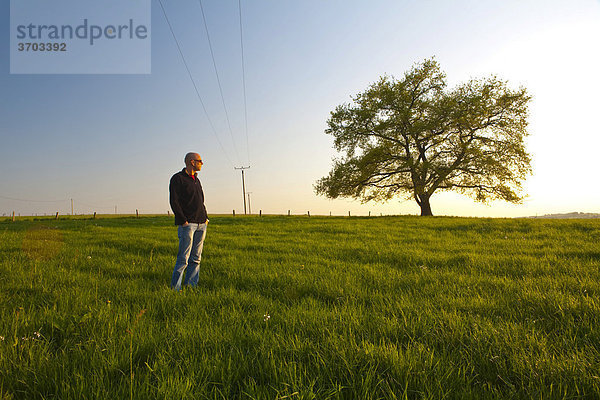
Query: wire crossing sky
{"type": "Point", "coordinates": [33, 200]}
{"type": "Point", "coordinates": [194, 82]}
{"type": "Point", "coordinates": [283, 66]}
{"type": "Point", "coordinates": [212, 55]}
{"type": "Point", "coordinates": [244, 82]}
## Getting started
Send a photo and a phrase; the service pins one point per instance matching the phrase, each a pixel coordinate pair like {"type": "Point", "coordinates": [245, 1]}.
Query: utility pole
{"type": "Point", "coordinates": [243, 186]}
{"type": "Point", "coordinates": [249, 208]}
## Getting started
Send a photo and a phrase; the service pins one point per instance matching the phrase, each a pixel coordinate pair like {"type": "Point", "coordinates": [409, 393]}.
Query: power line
{"type": "Point", "coordinates": [34, 201]}
{"type": "Point", "coordinates": [194, 83]}
{"type": "Point", "coordinates": [55, 201]}
{"type": "Point", "coordinates": [212, 55]}
{"type": "Point", "coordinates": [244, 81]}
{"type": "Point", "coordinates": [94, 206]}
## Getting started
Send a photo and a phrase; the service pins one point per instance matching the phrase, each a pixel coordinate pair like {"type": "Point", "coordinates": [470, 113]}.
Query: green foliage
{"type": "Point", "coordinates": [308, 308]}
{"type": "Point", "coordinates": [415, 137]}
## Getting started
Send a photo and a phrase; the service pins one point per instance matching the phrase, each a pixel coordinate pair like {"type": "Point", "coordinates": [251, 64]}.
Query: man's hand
{"type": "Point", "coordinates": [185, 224]}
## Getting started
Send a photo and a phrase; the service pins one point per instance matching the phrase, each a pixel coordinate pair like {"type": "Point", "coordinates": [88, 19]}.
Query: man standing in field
{"type": "Point", "coordinates": [187, 202]}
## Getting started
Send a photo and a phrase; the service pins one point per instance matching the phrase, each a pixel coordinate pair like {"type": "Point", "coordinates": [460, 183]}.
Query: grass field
{"type": "Point", "coordinates": [302, 308]}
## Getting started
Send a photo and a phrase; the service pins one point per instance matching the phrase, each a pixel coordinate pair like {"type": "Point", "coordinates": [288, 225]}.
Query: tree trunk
{"type": "Point", "coordinates": [425, 206]}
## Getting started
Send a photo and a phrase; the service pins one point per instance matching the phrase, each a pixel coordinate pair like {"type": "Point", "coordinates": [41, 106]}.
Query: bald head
{"type": "Point", "coordinates": [193, 162]}
{"type": "Point", "coordinates": [189, 157]}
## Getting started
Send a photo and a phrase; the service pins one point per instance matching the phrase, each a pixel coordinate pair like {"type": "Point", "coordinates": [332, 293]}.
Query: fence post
{"type": "Point", "coordinates": [330, 213]}
{"type": "Point", "coordinates": [260, 213]}
{"type": "Point", "coordinates": [94, 214]}
{"type": "Point", "coordinates": [137, 214]}
{"type": "Point", "coordinates": [348, 213]}
{"type": "Point", "coordinates": [288, 213]}
{"type": "Point", "coordinates": [56, 217]}
{"type": "Point", "coordinates": [234, 213]}
{"type": "Point", "coordinates": [369, 213]}
{"type": "Point", "coordinates": [309, 213]}
{"type": "Point", "coordinates": [13, 217]}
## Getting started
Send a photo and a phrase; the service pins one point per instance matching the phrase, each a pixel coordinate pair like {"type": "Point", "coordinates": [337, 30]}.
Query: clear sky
{"type": "Point", "coordinates": [106, 140]}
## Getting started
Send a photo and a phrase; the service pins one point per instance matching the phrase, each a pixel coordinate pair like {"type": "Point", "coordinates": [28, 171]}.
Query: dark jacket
{"type": "Point", "coordinates": [187, 199]}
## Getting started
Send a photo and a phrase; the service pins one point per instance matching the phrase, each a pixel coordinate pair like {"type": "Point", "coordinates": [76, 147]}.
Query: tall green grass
{"type": "Point", "coordinates": [302, 308]}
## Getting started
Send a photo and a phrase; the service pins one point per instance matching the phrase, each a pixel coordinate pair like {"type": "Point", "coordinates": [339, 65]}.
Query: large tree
{"type": "Point", "coordinates": [414, 137]}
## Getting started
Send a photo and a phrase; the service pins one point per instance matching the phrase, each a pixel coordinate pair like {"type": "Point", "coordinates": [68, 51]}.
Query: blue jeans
{"type": "Point", "coordinates": [191, 241]}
